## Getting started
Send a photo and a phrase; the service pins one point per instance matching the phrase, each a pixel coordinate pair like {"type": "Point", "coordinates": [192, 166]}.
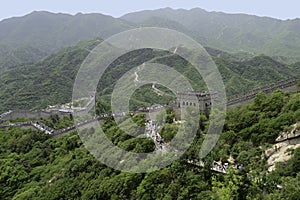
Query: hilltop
{"type": "Point", "coordinates": [41, 32]}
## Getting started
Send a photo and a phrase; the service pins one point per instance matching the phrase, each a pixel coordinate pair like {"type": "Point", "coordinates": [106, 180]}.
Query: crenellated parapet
{"type": "Point", "coordinates": [266, 89]}
{"type": "Point", "coordinates": [37, 114]}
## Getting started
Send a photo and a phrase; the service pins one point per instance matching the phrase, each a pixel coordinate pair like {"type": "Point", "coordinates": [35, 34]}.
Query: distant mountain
{"type": "Point", "coordinates": [25, 40]}
{"type": "Point", "coordinates": [230, 32]}
{"type": "Point", "coordinates": [40, 33]}
{"type": "Point", "coordinates": [49, 31]}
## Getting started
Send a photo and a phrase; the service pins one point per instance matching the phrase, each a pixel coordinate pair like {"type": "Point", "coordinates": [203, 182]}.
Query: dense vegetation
{"type": "Point", "coordinates": [19, 56]}
{"type": "Point", "coordinates": [50, 81]}
{"type": "Point", "coordinates": [35, 74]}
{"type": "Point", "coordinates": [37, 166]}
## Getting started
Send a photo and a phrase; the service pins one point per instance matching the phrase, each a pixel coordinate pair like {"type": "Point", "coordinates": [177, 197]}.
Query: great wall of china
{"type": "Point", "coordinates": [183, 100]}
{"type": "Point", "coordinates": [37, 114]}
{"type": "Point", "coordinates": [248, 96]}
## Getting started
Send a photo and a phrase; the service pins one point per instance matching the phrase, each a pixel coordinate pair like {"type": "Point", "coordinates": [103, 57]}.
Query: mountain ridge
{"type": "Point", "coordinates": [233, 32]}
{"type": "Point", "coordinates": [48, 32]}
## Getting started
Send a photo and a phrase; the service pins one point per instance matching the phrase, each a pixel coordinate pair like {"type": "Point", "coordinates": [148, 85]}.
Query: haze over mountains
{"type": "Point", "coordinates": [46, 32]}
{"type": "Point", "coordinates": [231, 32]}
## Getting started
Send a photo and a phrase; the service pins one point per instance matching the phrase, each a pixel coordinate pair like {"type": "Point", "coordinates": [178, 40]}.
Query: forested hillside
{"type": "Point", "coordinates": [50, 80]}
{"type": "Point", "coordinates": [37, 166]}
{"type": "Point", "coordinates": [19, 56]}
{"type": "Point", "coordinates": [47, 159]}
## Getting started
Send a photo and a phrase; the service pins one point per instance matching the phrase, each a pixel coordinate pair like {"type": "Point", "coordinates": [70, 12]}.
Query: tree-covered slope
{"type": "Point", "coordinates": [50, 81]}
{"type": "Point", "coordinates": [37, 166]}
{"type": "Point", "coordinates": [19, 56]}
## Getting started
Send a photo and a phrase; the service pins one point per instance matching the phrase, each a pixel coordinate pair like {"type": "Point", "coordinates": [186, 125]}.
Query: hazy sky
{"type": "Point", "coordinates": [283, 9]}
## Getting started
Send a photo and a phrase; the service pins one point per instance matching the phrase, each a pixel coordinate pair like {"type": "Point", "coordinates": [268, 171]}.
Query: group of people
{"type": "Point", "coordinates": [220, 167]}
{"type": "Point", "coordinates": [155, 107]}
{"type": "Point", "coordinates": [42, 127]}
{"type": "Point", "coordinates": [152, 132]}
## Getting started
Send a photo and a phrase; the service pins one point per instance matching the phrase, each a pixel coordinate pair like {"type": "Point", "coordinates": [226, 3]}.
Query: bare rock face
{"type": "Point", "coordinates": [279, 152]}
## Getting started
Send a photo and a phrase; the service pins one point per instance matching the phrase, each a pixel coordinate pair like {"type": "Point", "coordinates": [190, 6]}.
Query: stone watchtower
{"type": "Point", "coordinates": [193, 99]}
